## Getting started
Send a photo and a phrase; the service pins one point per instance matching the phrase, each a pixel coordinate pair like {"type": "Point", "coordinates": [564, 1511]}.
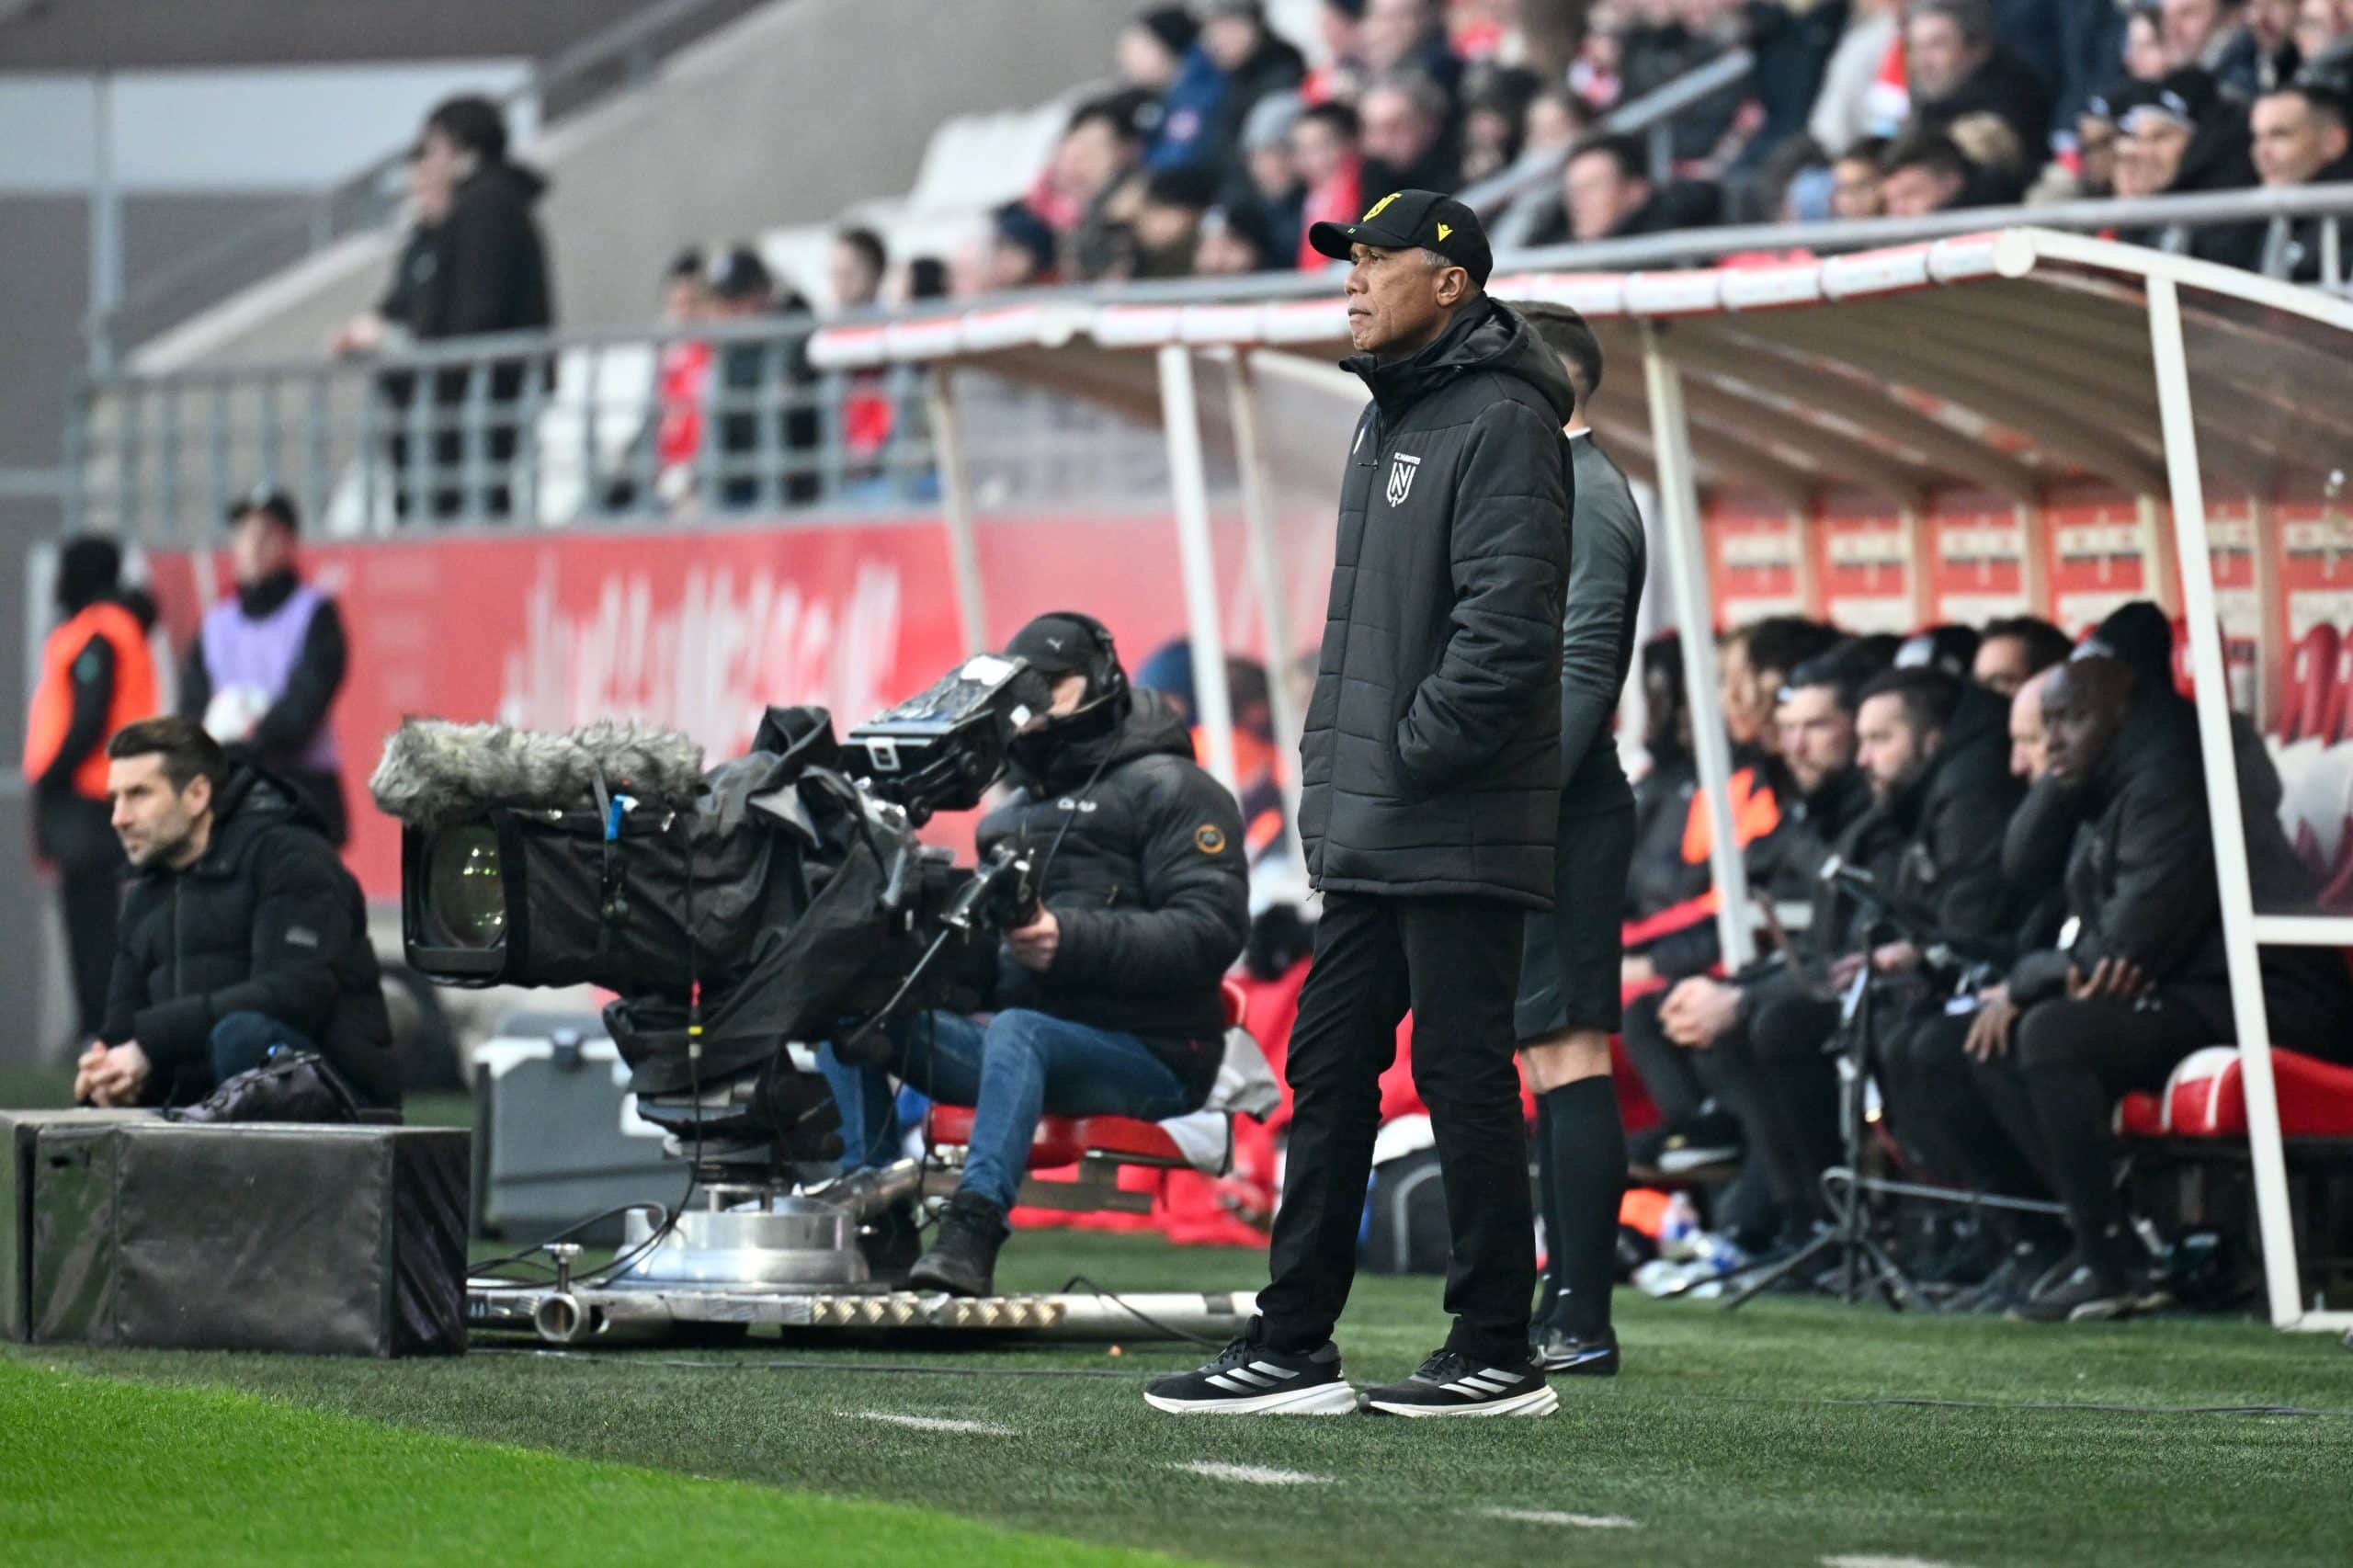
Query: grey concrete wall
{"type": "Point", "coordinates": [785, 117]}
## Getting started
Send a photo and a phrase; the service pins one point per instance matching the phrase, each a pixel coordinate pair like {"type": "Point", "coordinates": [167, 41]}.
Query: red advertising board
{"type": "Point", "coordinates": [698, 630]}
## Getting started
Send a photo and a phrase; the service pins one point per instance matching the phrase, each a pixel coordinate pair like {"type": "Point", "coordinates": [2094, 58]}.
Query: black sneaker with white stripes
{"type": "Point", "coordinates": [1249, 1379]}
{"type": "Point", "coordinates": [1450, 1383]}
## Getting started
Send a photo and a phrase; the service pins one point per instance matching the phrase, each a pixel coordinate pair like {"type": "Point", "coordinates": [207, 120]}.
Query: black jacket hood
{"type": "Point", "coordinates": [1150, 725]}
{"type": "Point", "coordinates": [525, 184]}
{"type": "Point", "coordinates": [1490, 335]}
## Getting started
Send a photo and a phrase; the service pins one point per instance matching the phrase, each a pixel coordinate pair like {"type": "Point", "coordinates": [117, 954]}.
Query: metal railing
{"type": "Point", "coordinates": [575, 428]}
{"type": "Point", "coordinates": [623, 57]}
{"type": "Point", "coordinates": [1517, 200]}
{"type": "Point", "coordinates": [585, 428]}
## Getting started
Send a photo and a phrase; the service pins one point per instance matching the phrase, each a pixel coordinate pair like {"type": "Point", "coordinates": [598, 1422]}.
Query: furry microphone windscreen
{"type": "Point", "coordinates": [436, 772]}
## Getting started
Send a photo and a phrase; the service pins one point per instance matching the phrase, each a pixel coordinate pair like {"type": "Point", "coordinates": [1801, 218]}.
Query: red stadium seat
{"type": "Point", "coordinates": [2307, 707]}
{"type": "Point", "coordinates": [2334, 716]}
{"type": "Point", "coordinates": [2204, 1101]}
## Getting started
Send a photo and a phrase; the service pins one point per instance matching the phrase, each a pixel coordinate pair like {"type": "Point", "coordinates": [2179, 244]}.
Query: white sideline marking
{"type": "Point", "coordinates": [930, 1423]}
{"type": "Point", "coordinates": [1871, 1559]}
{"type": "Point", "coordinates": [1251, 1474]}
{"type": "Point", "coordinates": [1553, 1516]}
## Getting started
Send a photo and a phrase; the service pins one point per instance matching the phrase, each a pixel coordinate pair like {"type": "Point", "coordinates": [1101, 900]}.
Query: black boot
{"type": "Point", "coordinates": [963, 1259]}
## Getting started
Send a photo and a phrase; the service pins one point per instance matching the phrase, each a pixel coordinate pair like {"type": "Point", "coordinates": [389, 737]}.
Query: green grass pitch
{"type": "Point", "coordinates": [1791, 1432]}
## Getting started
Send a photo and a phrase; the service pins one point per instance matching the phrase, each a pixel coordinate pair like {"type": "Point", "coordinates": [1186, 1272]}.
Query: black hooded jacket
{"type": "Point", "coordinates": [1951, 872]}
{"type": "Point", "coordinates": [489, 274]}
{"type": "Point", "coordinates": [267, 921]}
{"type": "Point", "coordinates": [2140, 886]}
{"type": "Point", "coordinates": [1139, 855]}
{"type": "Point", "coordinates": [1431, 751]}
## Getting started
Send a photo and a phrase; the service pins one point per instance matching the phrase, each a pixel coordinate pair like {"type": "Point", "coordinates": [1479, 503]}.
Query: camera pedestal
{"type": "Point", "coordinates": [792, 1260]}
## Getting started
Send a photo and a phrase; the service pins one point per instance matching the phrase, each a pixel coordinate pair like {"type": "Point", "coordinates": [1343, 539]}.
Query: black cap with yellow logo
{"type": "Point", "coordinates": [1413, 220]}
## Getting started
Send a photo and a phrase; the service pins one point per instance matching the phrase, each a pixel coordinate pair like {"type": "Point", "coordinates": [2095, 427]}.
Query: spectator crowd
{"type": "Point", "coordinates": [1218, 143]}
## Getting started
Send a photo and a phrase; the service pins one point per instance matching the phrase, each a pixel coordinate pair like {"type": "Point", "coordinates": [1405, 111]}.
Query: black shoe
{"type": "Point", "coordinates": [961, 1259]}
{"type": "Point", "coordinates": [2093, 1294]}
{"type": "Point", "coordinates": [1968, 1260]}
{"type": "Point", "coordinates": [1251, 1378]}
{"type": "Point", "coordinates": [2012, 1283]}
{"type": "Point", "coordinates": [1450, 1383]}
{"type": "Point", "coordinates": [1556, 1349]}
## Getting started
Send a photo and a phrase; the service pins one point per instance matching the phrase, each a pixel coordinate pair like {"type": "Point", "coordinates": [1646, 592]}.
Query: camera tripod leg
{"type": "Point", "coordinates": [1773, 1275]}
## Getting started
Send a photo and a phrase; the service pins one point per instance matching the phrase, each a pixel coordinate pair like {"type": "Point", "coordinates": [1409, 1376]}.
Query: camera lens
{"type": "Point", "coordinates": [464, 892]}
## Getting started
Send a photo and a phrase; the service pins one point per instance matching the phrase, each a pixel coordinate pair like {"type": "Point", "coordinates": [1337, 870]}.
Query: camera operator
{"type": "Point", "coordinates": [242, 932]}
{"type": "Point", "coordinates": [1108, 998]}
{"type": "Point", "coordinates": [2142, 980]}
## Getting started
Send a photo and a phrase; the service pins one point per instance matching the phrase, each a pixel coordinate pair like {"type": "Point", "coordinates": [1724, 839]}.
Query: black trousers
{"type": "Point", "coordinates": [2073, 1060]}
{"type": "Point", "coordinates": [1964, 1121]}
{"type": "Point", "coordinates": [1678, 1080]}
{"type": "Point", "coordinates": [1785, 1088]}
{"type": "Point", "coordinates": [1455, 962]}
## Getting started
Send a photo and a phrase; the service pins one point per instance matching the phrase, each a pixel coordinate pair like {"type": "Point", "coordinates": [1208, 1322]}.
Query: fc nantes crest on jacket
{"type": "Point", "coordinates": [1401, 477]}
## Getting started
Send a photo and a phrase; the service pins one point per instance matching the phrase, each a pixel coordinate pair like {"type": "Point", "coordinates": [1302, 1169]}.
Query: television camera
{"type": "Point", "coordinates": [738, 915]}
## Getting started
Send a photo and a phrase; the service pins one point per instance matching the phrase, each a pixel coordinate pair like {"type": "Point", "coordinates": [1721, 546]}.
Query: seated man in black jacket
{"type": "Point", "coordinates": [242, 933]}
{"type": "Point", "coordinates": [1812, 793]}
{"type": "Point", "coordinates": [1107, 1001]}
{"type": "Point", "coordinates": [2140, 979]}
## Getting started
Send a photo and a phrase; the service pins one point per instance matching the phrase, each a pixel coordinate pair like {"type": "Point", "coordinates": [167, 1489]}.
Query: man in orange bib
{"type": "Point", "coordinates": [96, 675]}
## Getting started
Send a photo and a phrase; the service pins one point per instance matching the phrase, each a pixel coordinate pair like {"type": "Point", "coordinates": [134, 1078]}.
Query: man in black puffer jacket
{"type": "Point", "coordinates": [1430, 797]}
{"type": "Point", "coordinates": [242, 932]}
{"type": "Point", "coordinates": [2141, 978]}
{"type": "Point", "coordinates": [1107, 1002]}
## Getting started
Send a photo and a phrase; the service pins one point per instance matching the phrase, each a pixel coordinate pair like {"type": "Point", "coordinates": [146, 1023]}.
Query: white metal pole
{"type": "Point", "coordinates": [1678, 491]}
{"type": "Point", "coordinates": [2177, 423]}
{"type": "Point", "coordinates": [105, 233]}
{"type": "Point", "coordinates": [1180, 417]}
{"type": "Point", "coordinates": [2034, 558]}
{"type": "Point", "coordinates": [1266, 564]}
{"type": "Point", "coordinates": [955, 507]}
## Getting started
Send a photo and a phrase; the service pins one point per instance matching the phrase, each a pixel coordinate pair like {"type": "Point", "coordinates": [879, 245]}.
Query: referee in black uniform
{"type": "Point", "coordinates": [1568, 972]}
{"type": "Point", "coordinates": [1430, 792]}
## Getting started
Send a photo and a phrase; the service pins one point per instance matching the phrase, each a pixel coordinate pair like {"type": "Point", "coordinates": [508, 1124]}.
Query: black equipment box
{"type": "Point", "coordinates": [557, 1134]}
{"type": "Point", "coordinates": [347, 1240]}
{"type": "Point", "coordinates": [19, 1134]}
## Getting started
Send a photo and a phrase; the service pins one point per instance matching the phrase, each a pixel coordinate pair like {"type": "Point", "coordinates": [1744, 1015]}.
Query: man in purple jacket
{"type": "Point", "coordinates": [266, 666]}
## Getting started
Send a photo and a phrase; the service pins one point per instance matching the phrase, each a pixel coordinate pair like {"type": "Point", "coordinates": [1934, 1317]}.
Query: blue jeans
{"type": "Point", "coordinates": [1021, 1066]}
{"type": "Point", "coordinates": [242, 1041]}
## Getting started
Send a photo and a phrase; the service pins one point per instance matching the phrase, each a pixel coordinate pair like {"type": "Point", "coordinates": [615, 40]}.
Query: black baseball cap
{"type": "Point", "coordinates": [1056, 644]}
{"type": "Point", "coordinates": [1414, 220]}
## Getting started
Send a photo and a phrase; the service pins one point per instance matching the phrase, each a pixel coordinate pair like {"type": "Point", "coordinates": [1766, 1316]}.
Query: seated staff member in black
{"type": "Point", "coordinates": [1674, 1037]}
{"type": "Point", "coordinates": [1937, 753]}
{"type": "Point", "coordinates": [1572, 955]}
{"type": "Point", "coordinates": [2141, 979]}
{"type": "Point", "coordinates": [1763, 1030]}
{"type": "Point", "coordinates": [242, 933]}
{"type": "Point", "coordinates": [1107, 1003]}
{"type": "Point", "coordinates": [1948, 1121]}
{"type": "Point", "coordinates": [1431, 775]}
